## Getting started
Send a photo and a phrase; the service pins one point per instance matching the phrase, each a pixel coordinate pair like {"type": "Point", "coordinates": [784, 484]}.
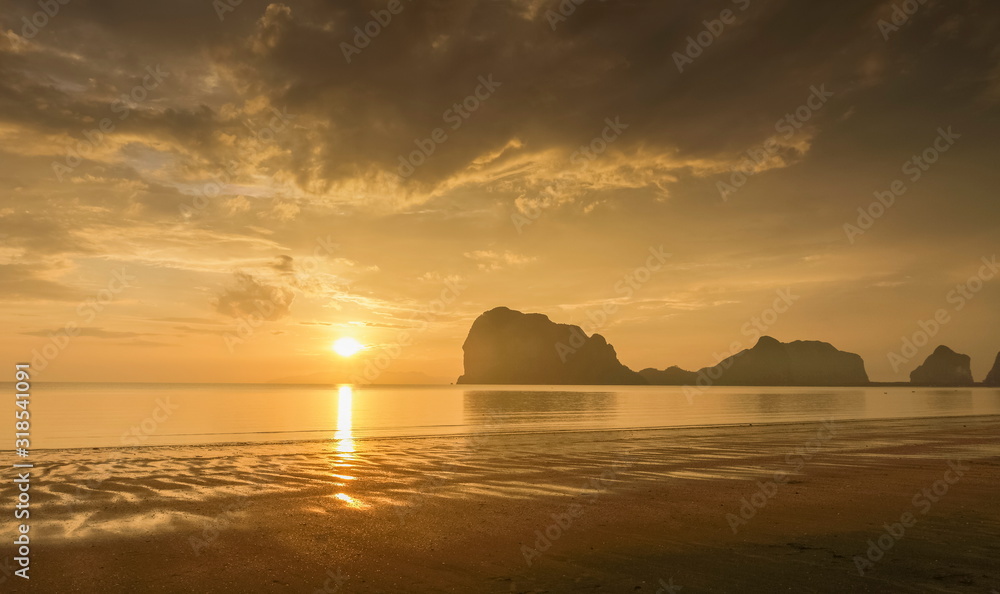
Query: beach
{"type": "Point", "coordinates": [762, 508]}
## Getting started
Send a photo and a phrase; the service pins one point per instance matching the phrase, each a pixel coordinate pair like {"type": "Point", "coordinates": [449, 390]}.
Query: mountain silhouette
{"type": "Point", "coordinates": [993, 378]}
{"type": "Point", "coordinates": [505, 346]}
{"type": "Point", "coordinates": [774, 363]}
{"type": "Point", "coordinates": [509, 347]}
{"type": "Point", "coordinates": [944, 367]}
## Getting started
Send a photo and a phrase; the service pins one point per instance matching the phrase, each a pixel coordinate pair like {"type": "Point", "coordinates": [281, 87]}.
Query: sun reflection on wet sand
{"type": "Point", "coordinates": [345, 444]}
{"type": "Point", "coordinates": [351, 501]}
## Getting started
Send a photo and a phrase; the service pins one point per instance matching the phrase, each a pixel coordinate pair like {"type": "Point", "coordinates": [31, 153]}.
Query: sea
{"type": "Point", "coordinates": [66, 416]}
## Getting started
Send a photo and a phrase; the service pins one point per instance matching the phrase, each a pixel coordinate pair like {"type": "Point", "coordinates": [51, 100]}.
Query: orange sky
{"type": "Point", "coordinates": [170, 177]}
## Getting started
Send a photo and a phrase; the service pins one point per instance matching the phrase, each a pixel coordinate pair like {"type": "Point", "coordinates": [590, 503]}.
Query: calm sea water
{"type": "Point", "coordinates": [113, 415]}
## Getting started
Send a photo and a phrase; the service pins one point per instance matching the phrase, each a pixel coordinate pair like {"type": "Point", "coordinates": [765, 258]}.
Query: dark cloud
{"type": "Point", "coordinates": [557, 86]}
{"type": "Point", "coordinates": [284, 264]}
{"type": "Point", "coordinates": [264, 140]}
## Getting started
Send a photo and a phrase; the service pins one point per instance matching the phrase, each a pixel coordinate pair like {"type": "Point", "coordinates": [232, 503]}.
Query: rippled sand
{"type": "Point", "coordinates": [456, 514]}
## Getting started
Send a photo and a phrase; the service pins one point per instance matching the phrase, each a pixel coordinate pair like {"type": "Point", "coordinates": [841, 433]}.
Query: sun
{"type": "Point", "coordinates": [347, 346]}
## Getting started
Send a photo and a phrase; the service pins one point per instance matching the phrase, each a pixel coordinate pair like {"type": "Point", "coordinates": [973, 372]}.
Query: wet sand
{"type": "Point", "coordinates": [624, 511]}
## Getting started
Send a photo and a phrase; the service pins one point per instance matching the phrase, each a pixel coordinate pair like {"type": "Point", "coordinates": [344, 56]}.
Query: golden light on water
{"type": "Point", "coordinates": [345, 443]}
{"type": "Point", "coordinates": [345, 406]}
{"type": "Point", "coordinates": [347, 346]}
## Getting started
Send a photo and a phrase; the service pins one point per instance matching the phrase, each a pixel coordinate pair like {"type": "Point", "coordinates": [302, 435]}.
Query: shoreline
{"type": "Point", "coordinates": [452, 514]}
{"type": "Point", "coordinates": [450, 436]}
{"type": "Point", "coordinates": [873, 384]}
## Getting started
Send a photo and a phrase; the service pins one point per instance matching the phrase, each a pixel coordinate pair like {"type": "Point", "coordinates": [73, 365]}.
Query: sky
{"type": "Point", "coordinates": [217, 191]}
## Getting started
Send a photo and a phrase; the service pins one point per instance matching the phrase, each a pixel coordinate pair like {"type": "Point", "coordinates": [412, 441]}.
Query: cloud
{"type": "Point", "coordinates": [91, 333]}
{"type": "Point", "coordinates": [351, 126]}
{"type": "Point", "coordinates": [42, 233]}
{"type": "Point", "coordinates": [248, 296]}
{"type": "Point", "coordinates": [490, 260]}
{"type": "Point", "coordinates": [263, 139]}
{"type": "Point", "coordinates": [212, 121]}
{"type": "Point", "coordinates": [284, 264]}
{"type": "Point", "coordinates": [27, 282]}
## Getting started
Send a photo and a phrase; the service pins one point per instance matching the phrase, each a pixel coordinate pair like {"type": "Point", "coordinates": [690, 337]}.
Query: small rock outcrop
{"type": "Point", "coordinates": [993, 377]}
{"type": "Point", "coordinates": [672, 376]}
{"type": "Point", "coordinates": [944, 367]}
{"type": "Point", "coordinates": [509, 347]}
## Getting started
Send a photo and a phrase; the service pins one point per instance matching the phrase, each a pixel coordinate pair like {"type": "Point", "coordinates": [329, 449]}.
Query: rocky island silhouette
{"type": "Point", "coordinates": [505, 346]}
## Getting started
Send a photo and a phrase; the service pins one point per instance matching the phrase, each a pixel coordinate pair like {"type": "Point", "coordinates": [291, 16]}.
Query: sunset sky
{"type": "Point", "coordinates": [256, 159]}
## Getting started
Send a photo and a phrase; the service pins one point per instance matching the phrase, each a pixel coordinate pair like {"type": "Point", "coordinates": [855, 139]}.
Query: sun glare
{"type": "Point", "coordinates": [347, 346]}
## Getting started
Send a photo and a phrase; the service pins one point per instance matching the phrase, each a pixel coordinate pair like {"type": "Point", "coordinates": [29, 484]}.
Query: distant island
{"type": "Point", "coordinates": [944, 367]}
{"type": "Point", "coordinates": [505, 346]}
{"type": "Point", "coordinates": [509, 347]}
{"type": "Point", "coordinates": [774, 363]}
{"type": "Point", "coordinates": [993, 378]}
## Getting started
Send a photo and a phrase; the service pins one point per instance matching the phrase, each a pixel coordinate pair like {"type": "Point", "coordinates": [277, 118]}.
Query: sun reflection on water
{"type": "Point", "coordinates": [345, 405]}
{"type": "Point", "coordinates": [344, 444]}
